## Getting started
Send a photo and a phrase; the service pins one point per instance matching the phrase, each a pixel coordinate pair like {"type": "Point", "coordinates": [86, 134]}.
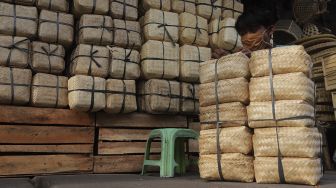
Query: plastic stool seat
{"type": "Point", "coordinates": [172, 151]}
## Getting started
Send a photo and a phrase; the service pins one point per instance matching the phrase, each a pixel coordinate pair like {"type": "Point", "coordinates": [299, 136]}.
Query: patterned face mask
{"type": "Point", "coordinates": [257, 41]}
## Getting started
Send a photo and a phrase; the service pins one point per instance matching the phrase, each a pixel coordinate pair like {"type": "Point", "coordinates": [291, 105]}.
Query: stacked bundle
{"type": "Point", "coordinates": [45, 57]}
{"type": "Point", "coordinates": [281, 111]}
{"type": "Point", "coordinates": [93, 60]}
{"type": "Point", "coordinates": [225, 142]}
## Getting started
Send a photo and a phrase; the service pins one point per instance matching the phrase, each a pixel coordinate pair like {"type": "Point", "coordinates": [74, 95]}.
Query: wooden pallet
{"type": "Point", "coordinates": [45, 141]}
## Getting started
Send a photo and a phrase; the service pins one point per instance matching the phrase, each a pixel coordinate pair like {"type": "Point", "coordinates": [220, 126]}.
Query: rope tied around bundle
{"type": "Point", "coordinates": [14, 46]}
{"type": "Point", "coordinates": [49, 53]}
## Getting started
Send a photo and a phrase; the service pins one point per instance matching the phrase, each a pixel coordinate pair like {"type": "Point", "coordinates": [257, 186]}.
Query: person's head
{"type": "Point", "coordinates": [255, 28]}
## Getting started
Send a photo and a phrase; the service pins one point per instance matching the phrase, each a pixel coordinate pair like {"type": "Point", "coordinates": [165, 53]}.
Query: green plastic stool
{"type": "Point", "coordinates": [172, 151]}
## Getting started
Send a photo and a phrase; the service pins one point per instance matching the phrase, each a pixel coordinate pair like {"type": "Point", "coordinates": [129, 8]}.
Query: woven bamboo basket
{"type": "Point", "coordinates": [57, 6]}
{"type": "Point", "coordinates": [286, 32]}
{"type": "Point", "coordinates": [81, 7]}
{"type": "Point", "coordinates": [209, 9]}
{"type": "Point", "coordinates": [159, 96]}
{"type": "Point", "coordinates": [284, 60]}
{"type": "Point", "coordinates": [86, 93]}
{"type": "Point", "coordinates": [193, 30]}
{"type": "Point", "coordinates": [17, 56]}
{"type": "Point", "coordinates": [305, 10]}
{"type": "Point", "coordinates": [156, 4]}
{"type": "Point", "coordinates": [90, 60]}
{"type": "Point", "coordinates": [231, 139]}
{"type": "Point", "coordinates": [291, 86]}
{"type": "Point", "coordinates": [230, 66]}
{"type": "Point", "coordinates": [95, 29]}
{"type": "Point", "coordinates": [235, 167]}
{"type": "Point", "coordinates": [190, 59]}
{"type": "Point", "coordinates": [120, 96]}
{"type": "Point", "coordinates": [56, 27]}
{"type": "Point", "coordinates": [260, 114]}
{"type": "Point", "coordinates": [230, 114]}
{"type": "Point", "coordinates": [25, 26]}
{"type": "Point", "coordinates": [310, 29]}
{"type": "Point", "coordinates": [49, 91]}
{"type": "Point", "coordinates": [125, 10]}
{"type": "Point", "coordinates": [124, 63]}
{"type": "Point", "coordinates": [159, 60]}
{"type": "Point", "coordinates": [180, 6]}
{"type": "Point", "coordinates": [47, 58]}
{"type": "Point", "coordinates": [127, 34]}
{"type": "Point", "coordinates": [296, 170]}
{"type": "Point", "coordinates": [154, 27]}
{"type": "Point", "coordinates": [189, 98]}
{"type": "Point", "coordinates": [15, 85]}
{"type": "Point", "coordinates": [232, 9]}
{"type": "Point", "coordinates": [21, 2]}
{"type": "Point", "coordinates": [293, 142]}
{"type": "Point", "coordinates": [229, 90]}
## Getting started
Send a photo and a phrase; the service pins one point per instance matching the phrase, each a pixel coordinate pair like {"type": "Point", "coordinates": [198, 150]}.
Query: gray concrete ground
{"type": "Point", "coordinates": [136, 181]}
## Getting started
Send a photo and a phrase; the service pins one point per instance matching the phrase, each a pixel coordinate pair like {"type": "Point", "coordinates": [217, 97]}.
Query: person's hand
{"type": "Point", "coordinates": [218, 53]}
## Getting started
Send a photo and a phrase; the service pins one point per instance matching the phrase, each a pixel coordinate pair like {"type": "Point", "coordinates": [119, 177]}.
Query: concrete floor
{"type": "Point", "coordinates": [136, 181]}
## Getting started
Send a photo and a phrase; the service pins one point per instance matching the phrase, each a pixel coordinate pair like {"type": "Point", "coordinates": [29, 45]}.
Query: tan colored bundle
{"type": "Point", "coordinates": [230, 114]}
{"type": "Point", "coordinates": [17, 20]}
{"type": "Point", "coordinates": [289, 113]}
{"type": "Point", "coordinates": [56, 27]}
{"type": "Point", "coordinates": [193, 30]}
{"type": "Point", "coordinates": [190, 59]}
{"type": "Point", "coordinates": [86, 93]}
{"type": "Point", "coordinates": [160, 25]}
{"type": "Point", "coordinates": [20, 2]}
{"type": "Point", "coordinates": [291, 86]}
{"type": "Point", "coordinates": [235, 167]}
{"type": "Point", "coordinates": [49, 91]}
{"type": "Point", "coordinates": [293, 141]}
{"type": "Point", "coordinates": [189, 99]}
{"type": "Point", "coordinates": [120, 96]}
{"type": "Point", "coordinates": [284, 60]}
{"type": "Point", "coordinates": [230, 90]}
{"type": "Point", "coordinates": [231, 139]}
{"type": "Point", "coordinates": [15, 85]}
{"type": "Point", "coordinates": [57, 6]}
{"type": "Point", "coordinates": [47, 58]}
{"type": "Point", "coordinates": [156, 4]}
{"type": "Point", "coordinates": [127, 34]}
{"type": "Point", "coordinates": [124, 63]}
{"type": "Point", "coordinates": [124, 9]}
{"type": "Point", "coordinates": [159, 96]}
{"type": "Point", "coordinates": [232, 9]}
{"type": "Point", "coordinates": [81, 7]}
{"type": "Point", "coordinates": [180, 6]}
{"type": "Point", "coordinates": [95, 29]}
{"type": "Point", "coordinates": [90, 60]}
{"type": "Point", "coordinates": [159, 60]}
{"type": "Point", "coordinates": [296, 170]}
{"type": "Point", "coordinates": [230, 66]}
{"type": "Point", "coordinates": [209, 9]}
{"type": "Point", "coordinates": [328, 71]}
{"type": "Point", "coordinates": [14, 51]}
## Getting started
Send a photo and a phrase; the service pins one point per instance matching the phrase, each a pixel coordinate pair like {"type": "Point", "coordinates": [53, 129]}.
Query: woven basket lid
{"type": "Point", "coordinates": [305, 10]}
{"type": "Point", "coordinates": [310, 29]}
{"type": "Point", "coordinates": [286, 32]}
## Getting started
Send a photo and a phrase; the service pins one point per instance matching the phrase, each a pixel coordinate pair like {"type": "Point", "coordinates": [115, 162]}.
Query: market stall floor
{"type": "Point", "coordinates": [136, 181]}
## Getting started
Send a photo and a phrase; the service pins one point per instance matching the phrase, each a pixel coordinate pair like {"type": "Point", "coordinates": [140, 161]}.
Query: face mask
{"type": "Point", "coordinates": [257, 41]}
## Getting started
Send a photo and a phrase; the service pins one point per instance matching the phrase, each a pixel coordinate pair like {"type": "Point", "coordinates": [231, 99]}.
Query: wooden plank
{"type": "Point", "coordinates": [140, 120]}
{"type": "Point", "coordinates": [108, 134]}
{"type": "Point", "coordinates": [16, 134]}
{"type": "Point", "coordinates": [65, 148]}
{"type": "Point", "coordinates": [44, 164]}
{"type": "Point", "coordinates": [44, 116]}
{"type": "Point", "coordinates": [119, 163]}
{"type": "Point", "coordinates": [110, 148]}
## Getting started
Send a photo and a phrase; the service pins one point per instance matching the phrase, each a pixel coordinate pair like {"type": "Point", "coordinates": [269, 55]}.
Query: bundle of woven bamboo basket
{"type": "Point", "coordinates": [225, 141]}
{"type": "Point", "coordinates": [286, 146]}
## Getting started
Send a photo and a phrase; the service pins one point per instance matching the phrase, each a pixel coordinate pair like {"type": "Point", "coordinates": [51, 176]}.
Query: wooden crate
{"type": "Point", "coordinates": [122, 140]}
{"type": "Point", "coordinates": [45, 141]}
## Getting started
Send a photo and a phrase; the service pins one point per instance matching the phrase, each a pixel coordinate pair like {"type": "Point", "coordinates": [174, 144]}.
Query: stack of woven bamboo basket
{"type": "Point", "coordinates": [105, 62]}
{"type": "Point", "coordinates": [286, 145]}
{"type": "Point", "coordinates": [225, 141]}
{"type": "Point", "coordinates": [36, 41]}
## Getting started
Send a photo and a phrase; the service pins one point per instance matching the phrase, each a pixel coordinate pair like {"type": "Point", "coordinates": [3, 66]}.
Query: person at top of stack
{"type": "Point", "coordinates": [255, 28]}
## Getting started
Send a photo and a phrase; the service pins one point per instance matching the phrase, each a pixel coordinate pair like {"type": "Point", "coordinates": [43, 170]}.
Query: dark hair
{"type": "Point", "coordinates": [252, 20]}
